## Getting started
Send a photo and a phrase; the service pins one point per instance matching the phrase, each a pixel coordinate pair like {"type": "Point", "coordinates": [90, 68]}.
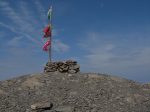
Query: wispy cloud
{"type": "Point", "coordinates": [12, 14]}
{"type": "Point", "coordinates": [15, 42]}
{"type": "Point", "coordinates": [25, 24]}
{"type": "Point", "coordinates": [110, 56]}
{"type": "Point", "coordinates": [41, 11]}
{"type": "Point", "coordinates": [59, 46]}
{"type": "Point", "coordinates": [22, 26]}
{"type": "Point", "coordinates": [22, 34]}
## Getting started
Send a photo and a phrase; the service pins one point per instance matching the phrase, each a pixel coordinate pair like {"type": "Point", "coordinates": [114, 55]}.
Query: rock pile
{"type": "Point", "coordinates": [68, 66]}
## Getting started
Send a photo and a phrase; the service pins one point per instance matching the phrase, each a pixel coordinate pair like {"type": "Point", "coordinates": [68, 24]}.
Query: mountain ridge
{"type": "Point", "coordinates": [80, 92]}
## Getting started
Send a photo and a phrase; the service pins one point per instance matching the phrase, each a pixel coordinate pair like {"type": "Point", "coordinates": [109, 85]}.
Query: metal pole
{"type": "Point", "coordinates": [50, 37]}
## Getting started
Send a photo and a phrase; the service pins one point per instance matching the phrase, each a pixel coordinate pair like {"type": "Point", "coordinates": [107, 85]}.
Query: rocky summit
{"type": "Point", "coordinates": [80, 92]}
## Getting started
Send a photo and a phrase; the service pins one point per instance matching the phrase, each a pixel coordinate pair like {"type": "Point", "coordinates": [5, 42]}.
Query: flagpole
{"type": "Point", "coordinates": [50, 37]}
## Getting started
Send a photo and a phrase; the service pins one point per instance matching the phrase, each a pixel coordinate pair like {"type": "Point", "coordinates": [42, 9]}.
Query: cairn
{"type": "Point", "coordinates": [68, 66]}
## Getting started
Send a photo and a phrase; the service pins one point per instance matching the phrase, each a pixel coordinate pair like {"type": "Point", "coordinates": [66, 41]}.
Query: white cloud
{"type": "Point", "coordinates": [110, 56]}
{"type": "Point", "coordinates": [16, 31]}
{"type": "Point", "coordinates": [8, 27]}
{"type": "Point", "coordinates": [14, 42]}
{"type": "Point", "coordinates": [25, 25]}
{"type": "Point", "coordinates": [41, 11]}
{"type": "Point", "coordinates": [6, 8]}
{"type": "Point", "coordinates": [59, 46]}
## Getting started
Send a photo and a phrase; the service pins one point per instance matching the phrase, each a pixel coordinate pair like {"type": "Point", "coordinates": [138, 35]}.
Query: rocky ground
{"type": "Point", "coordinates": [81, 92]}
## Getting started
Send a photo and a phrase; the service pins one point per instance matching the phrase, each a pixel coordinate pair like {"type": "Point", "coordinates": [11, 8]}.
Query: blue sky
{"type": "Point", "coordinates": [104, 36]}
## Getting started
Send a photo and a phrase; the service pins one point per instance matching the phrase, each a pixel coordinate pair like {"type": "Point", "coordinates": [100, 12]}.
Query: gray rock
{"type": "Point", "coordinates": [41, 105]}
{"type": "Point", "coordinates": [71, 71]}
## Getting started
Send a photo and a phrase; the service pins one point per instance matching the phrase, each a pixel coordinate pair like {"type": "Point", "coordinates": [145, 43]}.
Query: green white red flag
{"type": "Point", "coordinates": [49, 13]}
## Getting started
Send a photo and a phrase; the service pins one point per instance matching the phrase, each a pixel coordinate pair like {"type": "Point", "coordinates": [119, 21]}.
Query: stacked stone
{"type": "Point", "coordinates": [68, 66]}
